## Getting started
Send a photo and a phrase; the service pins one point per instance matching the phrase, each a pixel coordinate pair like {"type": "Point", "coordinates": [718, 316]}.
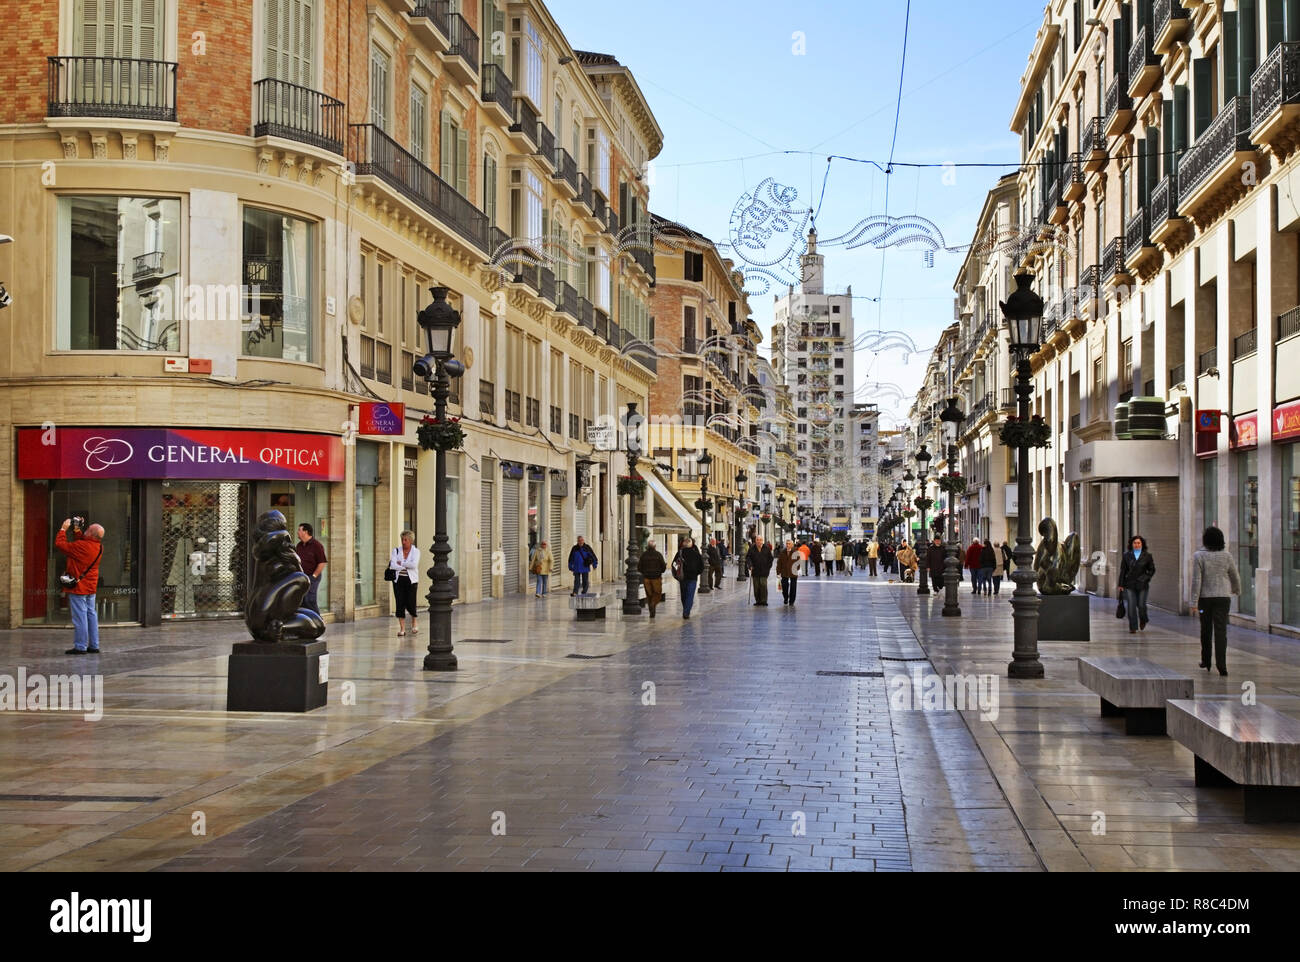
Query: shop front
{"type": "Point", "coordinates": [177, 506]}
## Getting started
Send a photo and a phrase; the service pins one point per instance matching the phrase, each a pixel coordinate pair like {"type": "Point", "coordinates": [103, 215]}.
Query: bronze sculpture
{"type": "Point", "coordinates": [1055, 564]}
{"type": "Point", "coordinates": [279, 585]}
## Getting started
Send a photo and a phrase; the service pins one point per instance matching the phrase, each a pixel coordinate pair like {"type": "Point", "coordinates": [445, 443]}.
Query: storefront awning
{"type": "Point", "coordinates": [1122, 461]}
{"type": "Point", "coordinates": [666, 498]}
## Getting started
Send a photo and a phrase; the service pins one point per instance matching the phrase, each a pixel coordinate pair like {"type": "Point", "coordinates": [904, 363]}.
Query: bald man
{"type": "Point", "coordinates": [84, 556]}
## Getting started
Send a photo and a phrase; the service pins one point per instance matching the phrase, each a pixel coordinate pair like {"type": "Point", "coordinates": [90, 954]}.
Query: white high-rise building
{"type": "Point", "coordinates": [812, 349]}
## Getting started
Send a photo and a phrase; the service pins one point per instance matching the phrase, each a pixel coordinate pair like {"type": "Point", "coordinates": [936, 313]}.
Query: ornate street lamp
{"type": "Point", "coordinates": [922, 466]}
{"type": "Point", "coordinates": [1024, 313]}
{"type": "Point", "coordinates": [766, 509]}
{"type": "Point", "coordinates": [703, 504]}
{"type": "Point", "coordinates": [439, 321]}
{"type": "Point", "coordinates": [951, 416]}
{"type": "Point", "coordinates": [738, 545]}
{"type": "Point", "coordinates": [632, 434]}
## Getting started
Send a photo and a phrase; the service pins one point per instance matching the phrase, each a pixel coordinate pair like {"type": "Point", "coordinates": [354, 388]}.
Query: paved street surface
{"type": "Point", "coordinates": [743, 739]}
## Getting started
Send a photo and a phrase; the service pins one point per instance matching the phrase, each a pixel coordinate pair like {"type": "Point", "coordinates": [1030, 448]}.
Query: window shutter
{"type": "Point", "coordinates": [1247, 45]}
{"type": "Point", "coordinates": [1166, 137]}
{"type": "Point", "coordinates": [1152, 164]}
{"type": "Point", "coordinates": [1291, 20]}
{"type": "Point", "coordinates": [622, 203]}
{"type": "Point", "coordinates": [1078, 23]}
{"type": "Point", "coordinates": [499, 28]}
{"type": "Point", "coordinates": [490, 190]}
{"type": "Point", "coordinates": [462, 162]}
{"type": "Point", "coordinates": [126, 37]}
{"type": "Point", "coordinates": [1202, 96]}
{"type": "Point", "coordinates": [1275, 23]}
{"type": "Point", "coordinates": [274, 11]}
{"type": "Point", "coordinates": [447, 150]}
{"type": "Point", "coordinates": [1230, 56]}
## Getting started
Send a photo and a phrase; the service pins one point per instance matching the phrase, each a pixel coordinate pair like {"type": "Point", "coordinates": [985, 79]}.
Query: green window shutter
{"type": "Point", "coordinates": [447, 149]}
{"type": "Point", "coordinates": [1230, 54]}
{"type": "Point", "coordinates": [275, 9]}
{"type": "Point", "coordinates": [462, 162]}
{"type": "Point", "coordinates": [1275, 23]}
{"type": "Point", "coordinates": [1119, 56]}
{"type": "Point", "coordinates": [1247, 45]}
{"type": "Point", "coordinates": [1202, 96]}
{"type": "Point", "coordinates": [1291, 20]}
{"type": "Point", "coordinates": [1166, 138]}
{"type": "Point", "coordinates": [499, 27]}
{"type": "Point", "coordinates": [1152, 164]}
{"type": "Point", "coordinates": [126, 24]}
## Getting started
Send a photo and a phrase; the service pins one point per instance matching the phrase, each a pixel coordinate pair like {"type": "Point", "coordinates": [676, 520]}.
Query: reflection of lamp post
{"type": "Point", "coordinates": [1024, 314]}
{"type": "Point", "coordinates": [739, 545]}
{"type": "Point", "coordinates": [704, 460]}
{"type": "Point", "coordinates": [632, 433]}
{"type": "Point", "coordinates": [439, 321]}
{"type": "Point", "coordinates": [923, 465]}
{"type": "Point", "coordinates": [951, 416]}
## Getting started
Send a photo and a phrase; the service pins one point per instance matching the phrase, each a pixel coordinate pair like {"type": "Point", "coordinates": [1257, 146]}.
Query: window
{"type": "Point", "coordinates": [135, 29]}
{"type": "Point", "coordinates": [278, 271]}
{"type": "Point", "coordinates": [1126, 374]}
{"type": "Point", "coordinates": [527, 219]}
{"type": "Point", "coordinates": [290, 31]}
{"type": "Point", "coordinates": [490, 189]}
{"type": "Point", "coordinates": [454, 154]}
{"type": "Point", "coordinates": [380, 286]}
{"type": "Point", "coordinates": [379, 73]}
{"type": "Point", "coordinates": [694, 268]}
{"type": "Point", "coordinates": [114, 254]}
{"type": "Point", "coordinates": [419, 124]}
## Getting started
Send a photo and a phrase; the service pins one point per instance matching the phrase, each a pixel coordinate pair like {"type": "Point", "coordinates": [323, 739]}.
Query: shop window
{"type": "Point", "coordinates": [278, 276]}
{"type": "Point", "coordinates": [118, 263]}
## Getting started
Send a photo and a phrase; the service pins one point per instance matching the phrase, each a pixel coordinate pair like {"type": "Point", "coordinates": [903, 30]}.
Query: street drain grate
{"type": "Point", "coordinates": [80, 798]}
{"type": "Point", "coordinates": [887, 658]}
{"type": "Point", "coordinates": [483, 641]}
{"type": "Point", "coordinates": [855, 674]}
{"type": "Point", "coordinates": [588, 657]}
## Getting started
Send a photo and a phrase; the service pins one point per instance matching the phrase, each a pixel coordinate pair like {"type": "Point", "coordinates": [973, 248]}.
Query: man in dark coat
{"type": "Point", "coordinates": [816, 557]}
{"type": "Point", "coordinates": [652, 567]}
{"type": "Point", "coordinates": [688, 572]}
{"type": "Point", "coordinates": [760, 566]}
{"type": "Point", "coordinates": [935, 556]}
{"type": "Point", "coordinates": [714, 557]}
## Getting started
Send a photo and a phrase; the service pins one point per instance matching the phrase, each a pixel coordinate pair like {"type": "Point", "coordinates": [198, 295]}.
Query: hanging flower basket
{"type": "Point", "coordinates": [766, 518]}
{"type": "Point", "coordinates": [925, 504]}
{"type": "Point", "coordinates": [910, 512]}
{"type": "Point", "coordinates": [634, 485]}
{"type": "Point", "coordinates": [435, 435]}
{"type": "Point", "coordinates": [954, 484]}
{"type": "Point", "coordinates": [1018, 433]}
{"type": "Point", "coordinates": [703, 504]}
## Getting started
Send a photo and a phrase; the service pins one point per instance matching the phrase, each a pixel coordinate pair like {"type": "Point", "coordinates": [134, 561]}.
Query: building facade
{"type": "Point", "coordinates": [227, 218]}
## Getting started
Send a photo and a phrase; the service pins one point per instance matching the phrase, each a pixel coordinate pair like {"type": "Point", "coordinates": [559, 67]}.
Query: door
{"type": "Point", "coordinates": [486, 540]}
{"type": "Point", "coordinates": [555, 517]}
{"type": "Point", "coordinates": [1158, 515]}
{"type": "Point", "coordinates": [510, 534]}
{"type": "Point", "coordinates": [201, 567]}
{"type": "Point", "coordinates": [289, 38]}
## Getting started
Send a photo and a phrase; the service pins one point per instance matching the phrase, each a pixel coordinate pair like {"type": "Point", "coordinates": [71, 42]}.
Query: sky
{"type": "Point", "coordinates": [734, 85]}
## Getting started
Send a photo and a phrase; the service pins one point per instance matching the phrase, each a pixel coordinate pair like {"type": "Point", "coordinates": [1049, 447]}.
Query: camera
{"type": "Point", "coordinates": [78, 527]}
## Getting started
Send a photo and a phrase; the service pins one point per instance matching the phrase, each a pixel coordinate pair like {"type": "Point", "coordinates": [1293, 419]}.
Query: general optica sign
{"type": "Point", "coordinates": [181, 453]}
{"type": "Point", "coordinates": [381, 419]}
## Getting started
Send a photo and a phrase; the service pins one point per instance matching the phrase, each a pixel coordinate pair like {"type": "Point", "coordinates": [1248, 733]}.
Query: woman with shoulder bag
{"type": "Point", "coordinates": [404, 572]}
{"type": "Point", "coordinates": [1135, 574]}
{"type": "Point", "coordinates": [540, 563]}
{"type": "Point", "coordinates": [1214, 581]}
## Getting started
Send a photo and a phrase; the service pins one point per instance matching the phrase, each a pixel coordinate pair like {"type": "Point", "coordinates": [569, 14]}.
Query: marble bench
{"type": "Point", "coordinates": [1252, 746]}
{"type": "Point", "coordinates": [589, 607]}
{"type": "Point", "coordinates": [1135, 688]}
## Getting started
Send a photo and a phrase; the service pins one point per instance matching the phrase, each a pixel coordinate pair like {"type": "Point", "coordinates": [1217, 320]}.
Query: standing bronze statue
{"type": "Point", "coordinates": [279, 585]}
{"type": "Point", "coordinates": [1056, 565]}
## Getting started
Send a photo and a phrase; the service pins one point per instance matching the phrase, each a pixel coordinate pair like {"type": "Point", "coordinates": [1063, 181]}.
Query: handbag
{"type": "Point", "coordinates": [1120, 610]}
{"type": "Point", "coordinates": [390, 574]}
{"type": "Point", "coordinates": [677, 567]}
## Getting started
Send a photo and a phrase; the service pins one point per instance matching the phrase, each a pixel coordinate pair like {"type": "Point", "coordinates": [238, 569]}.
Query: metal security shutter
{"type": "Point", "coordinates": [510, 534]}
{"type": "Point", "coordinates": [1157, 521]}
{"type": "Point", "coordinates": [485, 529]}
{"type": "Point", "coordinates": [580, 524]}
{"type": "Point", "coordinates": [556, 519]}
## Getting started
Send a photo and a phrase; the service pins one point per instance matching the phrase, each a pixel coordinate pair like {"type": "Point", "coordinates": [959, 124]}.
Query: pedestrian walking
{"type": "Point", "coordinates": [816, 557]}
{"type": "Point", "coordinates": [688, 565]}
{"type": "Point", "coordinates": [652, 567]}
{"type": "Point", "coordinates": [935, 555]}
{"type": "Point", "coordinates": [988, 564]}
{"type": "Point", "coordinates": [838, 559]}
{"type": "Point", "coordinates": [889, 558]}
{"type": "Point", "coordinates": [714, 558]}
{"type": "Point", "coordinates": [873, 556]}
{"type": "Point", "coordinates": [540, 563]}
{"type": "Point", "coordinates": [760, 566]}
{"type": "Point", "coordinates": [80, 581]}
{"type": "Point", "coordinates": [1008, 564]}
{"type": "Point", "coordinates": [973, 563]}
{"type": "Point", "coordinates": [999, 565]}
{"type": "Point", "coordinates": [404, 572]}
{"type": "Point", "coordinates": [1214, 581]}
{"type": "Point", "coordinates": [311, 555]}
{"type": "Point", "coordinates": [789, 567]}
{"type": "Point", "coordinates": [1135, 574]}
{"type": "Point", "coordinates": [582, 562]}
{"type": "Point", "coordinates": [907, 562]}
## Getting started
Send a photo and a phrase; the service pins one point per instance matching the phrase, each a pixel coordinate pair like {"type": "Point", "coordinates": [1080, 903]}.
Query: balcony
{"type": "Point", "coordinates": [378, 155]}
{"type": "Point", "coordinates": [1119, 105]}
{"type": "Point", "coordinates": [584, 193]}
{"type": "Point", "coordinates": [1215, 160]}
{"type": "Point", "coordinates": [1288, 324]}
{"type": "Point", "coordinates": [1206, 360]}
{"type": "Point", "coordinates": [524, 129]}
{"type": "Point", "coordinates": [1163, 208]}
{"type": "Point", "coordinates": [546, 145]}
{"type": "Point", "coordinates": [1112, 262]}
{"type": "Point", "coordinates": [566, 299]}
{"type": "Point", "coordinates": [1171, 23]}
{"type": "Point", "coordinates": [547, 286]}
{"type": "Point", "coordinates": [429, 23]}
{"type": "Point", "coordinates": [1138, 249]}
{"type": "Point", "coordinates": [1245, 344]}
{"type": "Point", "coordinates": [112, 88]}
{"type": "Point", "coordinates": [1143, 64]}
{"type": "Point", "coordinates": [1092, 146]}
{"type": "Point", "coordinates": [598, 208]}
{"type": "Point", "coordinates": [611, 223]}
{"type": "Point", "coordinates": [497, 94]}
{"type": "Point", "coordinates": [1088, 291]}
{"type": "Point", "coordinates": [586, 314]}
{"type": "Point", "coordinates": [601, 324]}
{"type": "Point", "coordinates": [566, 172]}
{"type": "Point", "coordinates": [298, 113]}
{"type": "Point", "coordinates": [461, 56]}
{"type": "Point", "coordinates": [146, 267]}
{"type": "Point", "coordinates": [1177, 375]}
{"type": "Point", "coordinates": [1275, 97]}
{"type": "Point", "coordinates": [1056, 209]}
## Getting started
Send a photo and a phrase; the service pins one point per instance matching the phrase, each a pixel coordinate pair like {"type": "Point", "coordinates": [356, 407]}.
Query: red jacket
{"type": "Point", "coordinates": [973, 555]}
{"type": "Point", "coordinates": [84, 556]}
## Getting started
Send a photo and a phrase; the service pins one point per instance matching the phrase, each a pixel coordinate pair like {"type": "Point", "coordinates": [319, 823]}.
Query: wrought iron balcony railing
{"type": "Point", "coordinates": [1276, 82]}
{"type": "Point", "coordinates": [1288, 324]}
{"type": "Point", "coordinates": [545, 143]}
{"type": "Point", "coordinates": [1178, 374]}
{"type": "Point", "coordinates": [1071, 174]}
{"type": "Point", "coordinates": [586, 314]}
{"type": "Point", "coordinates": [526, 120]}
{"type": "Point", "coordinates": [566, 168]}
{"type": "Point", "coordinates": [464, 41]}
{"type": "Point", "coordinates": [547, 288]}
{"type": "Point", "coordinates": [1207, 360]}
{"type": "Point", "coordinates": [584, 190]}
{"type": "Point", "coordinates": [496, 88]}
{"type": "Point", "coordinates": [112, 87]}
{"type": "Point", "coordinates": [1093, 138]}
{"type": "Point", "coordinates": [1136, 235]}
{"type": "Point", "coordinates": [1245, 344]}
{"type": "Point", "coordinates": [1141, 54]}
{"type": "Point", "coordinates": [1165, 11]}
{"type": "Point", "coordinates": [145, 266]}
{"type": "Point", "coordinates": [566, 299]}
{"type": "Point", "coordinates": [1229, 132]}
{"type": "Point", "coordinates": [1112, 258]}
{"type": "Point", "coordinates": [298, 113]}
{"type": "Point", "coordinates": [1164, 202]}
{"type": "Point", "coordinates": [1117, 97]}
{"type": "Point", "coordinates": [435, 10]}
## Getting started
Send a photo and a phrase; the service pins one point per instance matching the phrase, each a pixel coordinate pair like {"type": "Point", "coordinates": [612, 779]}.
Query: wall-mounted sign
{"type": "Point", "coordinates": [1286, 421]}
{"type": "Point", "coordinates": [601, 436]}
{"type": "Point", "coordinates": [1011, 500]}
{"type": "Point", "coordinates": [382, 418]}
{"type": "Point", "coordinates": [1245, 432]}
{"type": "Point", "coordinates": [140, 453]}
{"type": "Point", "coordinates": [1208, 420]}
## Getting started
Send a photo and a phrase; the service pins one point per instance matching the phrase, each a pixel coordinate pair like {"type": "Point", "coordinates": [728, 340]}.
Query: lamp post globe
{"type": "Point", "coordinates": [1023, 311]}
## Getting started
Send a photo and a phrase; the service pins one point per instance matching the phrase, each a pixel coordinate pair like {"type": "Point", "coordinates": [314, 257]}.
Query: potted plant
{"type": "Point", "coordinates": [634, 485]}
{"type": "Point", "coordinates": [436, 435]}
{"type": "Point", "coordinates": [1019, 433]}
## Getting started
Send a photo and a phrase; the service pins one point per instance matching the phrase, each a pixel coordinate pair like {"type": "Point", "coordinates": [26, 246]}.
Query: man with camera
{"type": "Point", "coordinates": [80, 581]}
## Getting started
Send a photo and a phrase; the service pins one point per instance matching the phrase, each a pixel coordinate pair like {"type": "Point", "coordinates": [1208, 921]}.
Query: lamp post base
{"type": "Point", "coordinates": [1026, 669]}
{"type": "Point", "coordinates": [440, 662]}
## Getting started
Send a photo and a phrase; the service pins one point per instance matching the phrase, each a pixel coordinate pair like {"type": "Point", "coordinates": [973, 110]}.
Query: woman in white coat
{"type": "Point", "coordinates": [404, 562]}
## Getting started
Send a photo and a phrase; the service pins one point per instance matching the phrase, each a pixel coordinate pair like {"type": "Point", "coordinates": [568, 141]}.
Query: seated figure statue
{"type": "Point", "coordinates": [1055, 564]}
{"type": "Point", "coordinates": [279, 585]}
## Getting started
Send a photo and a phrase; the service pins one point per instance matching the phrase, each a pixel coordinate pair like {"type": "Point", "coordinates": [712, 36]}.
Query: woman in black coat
{"type": "Point", "coordinates": [688, 565]}
{"type": "Point", "coordinates": [1135, 573]}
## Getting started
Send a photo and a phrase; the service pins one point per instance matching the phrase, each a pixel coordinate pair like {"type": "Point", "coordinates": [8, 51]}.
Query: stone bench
{"type": "Point", "coordinates": [589, 607]}
{"type": "Point", "coordinates": [1252, 746]}
{"type": "Point", "coordinates": [1135, 688]}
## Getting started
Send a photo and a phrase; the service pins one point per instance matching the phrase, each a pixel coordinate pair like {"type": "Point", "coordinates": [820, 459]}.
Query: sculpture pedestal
{"type": "Point", "coordinates": [1063, 618]}
{"type": "Point", "coordinates": [287, 676]}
